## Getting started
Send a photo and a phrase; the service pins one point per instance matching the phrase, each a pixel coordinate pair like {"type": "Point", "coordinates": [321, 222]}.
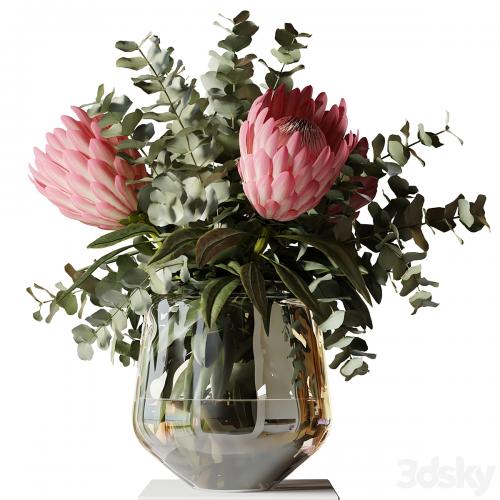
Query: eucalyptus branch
{"type": "Point", "coordinates": [164, 90]}
{"type": "Point", "coordinates": [419, 141]}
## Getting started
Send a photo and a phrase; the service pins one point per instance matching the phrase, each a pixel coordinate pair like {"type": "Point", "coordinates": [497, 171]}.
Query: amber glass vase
{"type": "Point", "coordinates": [237, 406]}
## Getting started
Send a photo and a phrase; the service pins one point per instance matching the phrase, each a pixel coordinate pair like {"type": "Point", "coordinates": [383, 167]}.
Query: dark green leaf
{"type": "Point", "coordinates": [342, 256]}
{"type": "Point", "coordinates": [215, 295]}
{"type": "Point", "coordinates": [125, 233]}
{"type": "Point", "coordinates": [284, 37]}
{"type": "Point", "coordinates": [378, 145]}
{"type": "Point", "coordinates": [235, 43]}
{"type": "Point", "coordinates": [339, 359]}
{"type": "Point", "coordinates": [143, 132]}
{"type": "Point", "coordinates": [245, 28]}
{"type": "Point", "coordinates": [405, 129]}
{"type": "Point", "coordinates": [413, 212]}
{"type": "Point", "coordinates": [255, 286]}
{"type": "Point", "coordinates": [181, 242]}
{"type": "Point", "coordinates": [297, 287]}
{"type": "Point", "coordinates": [428, 138]}
{"type": "Point", "coordinates": [217, 244]}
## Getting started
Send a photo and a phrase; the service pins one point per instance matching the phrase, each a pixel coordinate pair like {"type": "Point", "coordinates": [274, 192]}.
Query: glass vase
{"type": "Point", "coordinates": [236, 406]}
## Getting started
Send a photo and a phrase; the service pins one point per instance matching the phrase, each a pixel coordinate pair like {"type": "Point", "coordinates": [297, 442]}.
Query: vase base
{"type": "Point", "coordinates": [176, 489]}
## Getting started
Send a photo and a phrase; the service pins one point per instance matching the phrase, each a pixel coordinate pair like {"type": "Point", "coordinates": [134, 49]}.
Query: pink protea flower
{"type": "Point", "coordinates": [292, 150]}
{"type": "Point", "coordinates": [81, 174]}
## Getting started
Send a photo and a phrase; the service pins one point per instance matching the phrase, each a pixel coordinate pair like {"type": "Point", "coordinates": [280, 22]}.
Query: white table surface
{"type": "Point", "coordinates": [310, 489]}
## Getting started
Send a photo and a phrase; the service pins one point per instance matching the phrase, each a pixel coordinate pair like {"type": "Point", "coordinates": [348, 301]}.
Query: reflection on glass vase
{"type": "Point", "coordinates": [237, 406]}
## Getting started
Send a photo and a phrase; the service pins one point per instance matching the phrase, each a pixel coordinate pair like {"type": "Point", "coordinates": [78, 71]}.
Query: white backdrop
{"type": "Point", "coordinates": [432, 394]}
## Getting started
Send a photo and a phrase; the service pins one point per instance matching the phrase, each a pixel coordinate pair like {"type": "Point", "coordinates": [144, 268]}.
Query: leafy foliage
{"type": "Point", "coordinates": [195, 232]}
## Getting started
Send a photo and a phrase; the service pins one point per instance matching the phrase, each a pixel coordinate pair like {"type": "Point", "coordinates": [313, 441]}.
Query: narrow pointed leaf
{"type": "Point", "coordinates": [125, 233]}
{"type": "Point", "coordinates": [218, 243]}
{"type": "Point", "coordinates": [297, 286]}
{"type": "Point", "coordinates": [215, 295]}
{"type": "Point", "coordinates": [255, 287]}
{"type": "Point", "coordinates": [342, 256]}
{"type": "Point", "coordinates": [181, 242]}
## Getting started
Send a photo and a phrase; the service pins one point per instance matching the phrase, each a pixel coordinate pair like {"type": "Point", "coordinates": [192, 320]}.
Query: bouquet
{"type": "Point", "coordinates": [241, 184]}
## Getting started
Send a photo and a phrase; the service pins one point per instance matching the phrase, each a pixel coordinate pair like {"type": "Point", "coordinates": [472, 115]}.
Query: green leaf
{"type": "Point", "coordinates": [100, 93]}
{"type": "Point", "coordinates": [126, 46]}
{"type": "Point", "coordinates": [134, 63]}
{"type": "Point", "coordinates": [428, 138]}
{"type": "Point", "coordinates": [342, 256]}
{"type": "Point", "coordinates": [85, 351]}
{"type": "Point", "coordinates": [181, 242]}
{"type": "Point", "coordinates": [353, 367]}
{"type": "Point", "coordinates": [112, 131]}
{"type": "Point", "coordinates": [160, 117]}
{"type": "Point", "coordinates": [53, 309]}
{"type": "Point", "coordinates": [339, 359]}
{"type": "Point", "coordinates": [464, 213]}
{"type": "Point", "coordinates": [286, 56]}
{"type": "Point", "coordinates": [122, 234]}
{"type": "Point", "coordinates": [413, 212]}
{"type": "Point", "coordinates": [235, 43]}
{"type": "Point", "coordinates": [399, 186]}
{"type": "Point", "coordinates": [297, 286]}
{"type": "Point", "coordinates": [143, 132]}
{"type": "Point", "coordinates": [245, 28]}
{"type": "Point", "coordinates": [67, 301]}
{"type": "Point", "coordinates": [255, 287]}
{"type": "Point", "coordinates": [83, 333]}
{"type": "Point", "coordinates": [131, 121]}
{"type": "Point", "coordinates": [140, 301]}
{"type": "Point", "coordinates": [334, 321]}
{"type": "Point", "coordinates": [228, 106]}
{"type": "Point", "coordinates": [422, 298]}
{"type": "Point", "coordinates": [405, 130]}
{"type": "Point", "coordinates": [217, 244]}
{"type": "Point", "coordinates": [378, 146]}
{"type": "Point", "coordinates": [101, 317]}
{"type": "Point", "coordinates": [284, 37]}
{"type": "Point", "coordinates": [215, 295]}
{"type": "Point", "coordinates": [109, 294]}
{"type": "Point", "coordinates": [398, 151]}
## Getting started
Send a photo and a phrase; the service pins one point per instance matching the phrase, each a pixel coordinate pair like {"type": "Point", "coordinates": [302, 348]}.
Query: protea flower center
{"type": "Point", "coordinates": [311, 135]}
